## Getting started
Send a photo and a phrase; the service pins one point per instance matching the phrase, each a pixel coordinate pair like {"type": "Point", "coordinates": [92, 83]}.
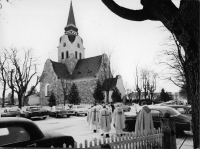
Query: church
{"type": "Point", "coordinates": [73, 67]}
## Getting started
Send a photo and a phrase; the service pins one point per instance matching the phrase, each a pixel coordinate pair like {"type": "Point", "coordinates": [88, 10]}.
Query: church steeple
{"type": "Point", "coordinates": [71, 28]}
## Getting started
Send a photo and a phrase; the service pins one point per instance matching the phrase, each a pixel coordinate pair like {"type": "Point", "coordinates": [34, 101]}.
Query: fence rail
{"type": "Point", "coordinates": [140, 140]}
{"type": "Point", "coordinates": [145, 140]}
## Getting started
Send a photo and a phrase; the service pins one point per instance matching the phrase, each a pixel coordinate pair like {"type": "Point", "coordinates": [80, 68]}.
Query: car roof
{"type": "Point", "coordinates": [28, 125]}
{"type": "Point", "coordinates": [183, 106]}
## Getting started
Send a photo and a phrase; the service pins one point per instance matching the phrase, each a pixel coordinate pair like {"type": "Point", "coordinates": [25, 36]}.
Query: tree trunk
{"type": "Point", "coordinates": [20, 100]}
{"type": "Point", "coordinates": [3, 95]}
{"type": "Point", "coordinates": [192, 66]}
{"type": "Point", "coordinates": [107, 96]}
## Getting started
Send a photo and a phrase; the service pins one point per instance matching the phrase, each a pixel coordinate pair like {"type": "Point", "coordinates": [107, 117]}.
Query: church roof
{"type": "Point", "coordinates": [87, 68]}
{"type": "Point", "coordinates": [110, 83]}
{"type": "Point", "coordinates": [61, 70]}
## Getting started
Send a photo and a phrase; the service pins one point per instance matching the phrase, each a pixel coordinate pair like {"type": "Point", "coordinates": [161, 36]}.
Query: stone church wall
{"type": "Point", "coordinates": [48, 77]}
{"type": "Point", "coordinates": [86, 89]}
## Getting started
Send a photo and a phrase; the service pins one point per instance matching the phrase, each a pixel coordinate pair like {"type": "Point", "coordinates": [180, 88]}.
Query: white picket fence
{"type": "Point", "coordinates": [140, 140]}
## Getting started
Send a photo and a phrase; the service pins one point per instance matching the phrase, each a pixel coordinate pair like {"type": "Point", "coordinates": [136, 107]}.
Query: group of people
{"type": "Point", "coordinates": [103, 116]}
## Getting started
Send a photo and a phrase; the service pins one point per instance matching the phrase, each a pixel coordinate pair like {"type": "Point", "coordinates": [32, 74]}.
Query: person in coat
{"type": "Point", "coordinates": [144, 120]}
{"type": "Point", "coordinates": [94, 118]}
{"type": "Point", "coordinates": [88, 115]}
{"type": "Point", "coordinates": [119, 120]}
{"type": "Point", "coordinates": [105, 120]}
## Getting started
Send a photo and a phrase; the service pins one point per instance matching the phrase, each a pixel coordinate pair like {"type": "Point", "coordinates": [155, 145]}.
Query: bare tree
{"type": "Point", "coordinates": [3, 73]}
{"type": "Point", "coordinates": [66, 84]}
{"type": "Point", "coordinates": [183, 22]}
{"type": "Point", "coordinates": [152, 84]}
{"type": "Point", "coordinates": [145, 81]}
{"type": "Point", "coordinates": [25, 68]}
{"type": "Point", "coordinates": [138, 87]}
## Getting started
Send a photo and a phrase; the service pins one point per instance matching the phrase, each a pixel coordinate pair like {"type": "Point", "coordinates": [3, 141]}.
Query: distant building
{"type": "Point", "coordinates": [73, 67]}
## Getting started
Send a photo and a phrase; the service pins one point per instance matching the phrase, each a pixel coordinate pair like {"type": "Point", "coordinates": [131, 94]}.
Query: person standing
{"type": "Point", "coordinates": [94, 118]}
{"type": "Point", "coordinates": [119, 120]}
{"type": "Point", "coordinates": [88, 115]}
{"type": "Point", "coordinates": [105, 120]}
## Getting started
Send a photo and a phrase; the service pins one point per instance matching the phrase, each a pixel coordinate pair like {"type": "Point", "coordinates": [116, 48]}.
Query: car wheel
{"type": "Point", "coordinates": [127, 127]}
{"type": "Point", "coordinates": [76, 114]}
{"type": "Point", "coordinates": [85, 114]}
{"type": "Point", "coordinates": [68, 115]}
{"type": "Point", "coordinates": [44, 118]}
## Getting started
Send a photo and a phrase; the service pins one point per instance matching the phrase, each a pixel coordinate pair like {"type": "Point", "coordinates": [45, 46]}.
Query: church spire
{"type": "Point", "coordinates": [71, 25]}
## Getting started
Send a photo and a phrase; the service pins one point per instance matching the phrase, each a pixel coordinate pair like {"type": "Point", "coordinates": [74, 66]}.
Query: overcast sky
{"type": "Point", "coordinates": [38, 24]}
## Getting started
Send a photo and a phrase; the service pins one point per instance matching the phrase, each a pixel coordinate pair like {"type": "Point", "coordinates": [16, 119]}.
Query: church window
{"type": "Point", "coordinates": [67, 54]}
{"type": "Point", "coordinates": [78, 45]}
{"type": "Point", "coordinates": [64, 44]}
{"type": "Point", "coordinates": [62, 55]}
{"type": "Point", "coordinates": [80, 56]}
{"type": "Point", "coordinates": [47, 90]}
{"type": "Point", "coordinates": [76, 54]}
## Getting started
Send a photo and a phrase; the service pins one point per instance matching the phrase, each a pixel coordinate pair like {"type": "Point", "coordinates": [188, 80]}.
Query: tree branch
{"type": "Point", "coordinates": [134, 15]}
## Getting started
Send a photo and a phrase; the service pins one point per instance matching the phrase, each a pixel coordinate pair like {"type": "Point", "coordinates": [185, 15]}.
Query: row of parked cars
{"type": "Point", "coordinates": [179, 112]}
{"type": "Point", "coordinates": [41, 112]}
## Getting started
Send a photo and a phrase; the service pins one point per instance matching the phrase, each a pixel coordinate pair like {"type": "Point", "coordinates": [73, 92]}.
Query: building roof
{"type": "Point", "coordinates": [110, 83]}
{"type": "Point", "coordinates": [87, 68]}
{"type": "Point", "coordinates": [61, 70]}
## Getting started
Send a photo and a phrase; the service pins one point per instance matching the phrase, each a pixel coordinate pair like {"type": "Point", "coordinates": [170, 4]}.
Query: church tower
{"type": "Point", "coordinates": [70, 48]}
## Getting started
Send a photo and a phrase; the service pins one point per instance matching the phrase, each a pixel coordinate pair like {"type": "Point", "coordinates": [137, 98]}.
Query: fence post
{"type": "Point", "coordinates": [168, 129]}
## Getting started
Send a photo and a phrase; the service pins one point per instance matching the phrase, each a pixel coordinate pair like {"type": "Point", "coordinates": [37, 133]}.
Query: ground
{"type": "Point", "coordinates": [80, 130]}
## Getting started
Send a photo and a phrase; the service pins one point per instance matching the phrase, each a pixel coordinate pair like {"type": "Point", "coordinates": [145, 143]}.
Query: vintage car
{"type": "Point", "coordinates": [60, 111]}
{"type": "Point", "coordinates": [35, 112]}
{"type": "Point", "coordinates": [187, 110]}
{"type": "Point", "coordinates": [22, 132]}
{"type": "Point", "coordinates": [80, 110]}
{"type": "Point", "coordinates": [182, 122]}
{"type": "Point", "coordinates": [12, 112]}
{"type": "Point", "coordinates": [173, 102]}
{"type": "Point", "coordinates": [126, 108]}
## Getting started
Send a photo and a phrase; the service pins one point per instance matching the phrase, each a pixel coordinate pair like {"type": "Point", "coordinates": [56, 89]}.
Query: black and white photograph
{"type": "Point", "coordinates": [99, 74]}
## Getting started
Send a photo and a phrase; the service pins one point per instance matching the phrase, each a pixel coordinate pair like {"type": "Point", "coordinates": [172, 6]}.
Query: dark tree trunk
{"type": "Point", "coordinates": [3, 95]}
{"type": "Point", "coordinates": [107, 96]}
{"type": "Point", "coordinates": [20, 100]}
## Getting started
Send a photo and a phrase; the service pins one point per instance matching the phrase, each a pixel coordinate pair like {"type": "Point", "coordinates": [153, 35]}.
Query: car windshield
{"type": "Point", "coordinates": [35, 108]}
{"type": "Point", "coordinates": [81, 107]}
{"type": "Point", "coordinates": [14, 110]}
{"type": "Point", "coordinates": [173, 112]}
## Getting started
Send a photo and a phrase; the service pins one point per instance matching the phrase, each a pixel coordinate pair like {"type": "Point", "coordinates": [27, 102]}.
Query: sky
{"type": "Point", "coordinates": [38, 24]}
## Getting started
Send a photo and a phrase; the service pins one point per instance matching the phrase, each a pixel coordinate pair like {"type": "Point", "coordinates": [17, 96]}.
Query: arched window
{"type": "Point", "coordinates": [76, 54]}
{"type": "Point", "coordinates": [47, 90]}
{"type": "Point", "coordinates": [67, 54]}
{"type": "Point", "coordinates": [78, 45]}
{"type": "Point", "coordinates": [62, 55]}
{"type": "Point", "coordinates": [79, 55]}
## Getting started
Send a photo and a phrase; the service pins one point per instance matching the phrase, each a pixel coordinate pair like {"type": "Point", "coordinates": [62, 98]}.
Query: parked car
{"type": "Point", "coordinates": [187, 110]}
{"type": "Point", "coordinates": [60, 111]}
{"type": "Point", "coordinates": [182, 121]}
{"type": "Point", "coordinates": [35, 112]}
{"type": "Point", "coordinates": [126, 108]}
{"type": "Point", "coordinates": [80, 110]}
{"type": "Point", "coordinates": [173, 102]}
{"type": "Point", "coordinates": [21, 132]}
{"type": "Point", "coordinates": [12, 112]}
